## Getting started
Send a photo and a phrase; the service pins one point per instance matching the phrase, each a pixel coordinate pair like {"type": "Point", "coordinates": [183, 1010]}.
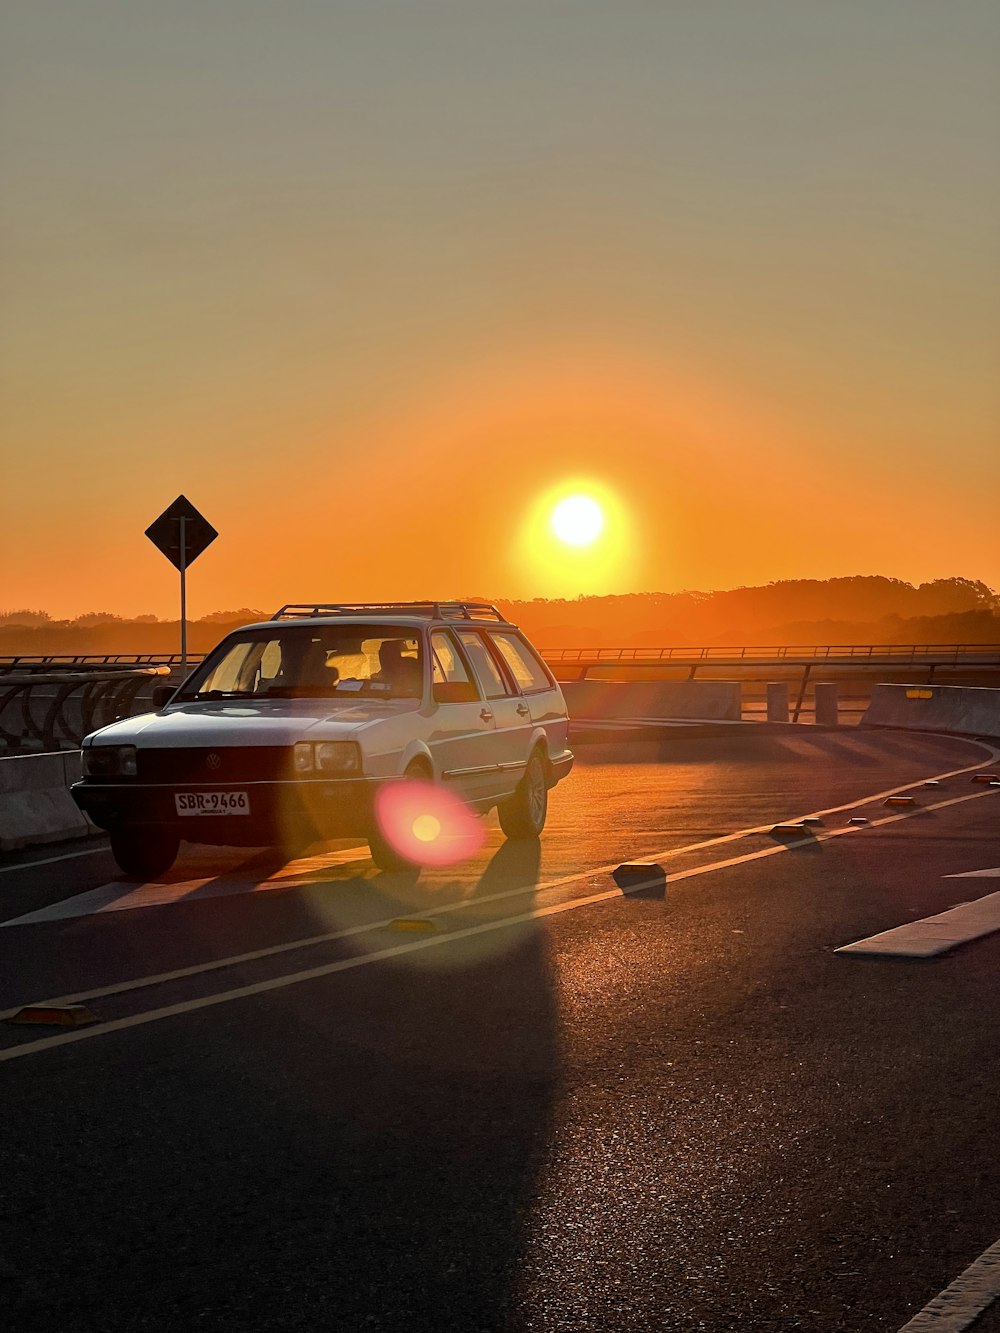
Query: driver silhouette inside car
{"type": "Point", "coordinates": [401, 674]}
{"type": "Point", "coordinates": [303, 665]}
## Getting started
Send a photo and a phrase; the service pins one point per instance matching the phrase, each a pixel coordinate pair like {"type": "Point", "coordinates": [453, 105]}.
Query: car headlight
{"type": "Point", "coordinates": [110, 761]}
{"type": "Point", "coordinates": [327, 757]}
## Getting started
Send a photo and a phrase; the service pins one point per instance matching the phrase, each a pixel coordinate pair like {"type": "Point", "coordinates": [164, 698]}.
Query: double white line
{"type": "Point", "coordinates": [434, 941]}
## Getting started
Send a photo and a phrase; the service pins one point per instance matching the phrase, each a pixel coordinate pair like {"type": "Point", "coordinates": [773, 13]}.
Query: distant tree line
{"type": "Point", "coordinates": [861, 609]}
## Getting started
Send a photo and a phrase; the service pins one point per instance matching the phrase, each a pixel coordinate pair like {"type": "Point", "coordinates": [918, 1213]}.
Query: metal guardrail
{"type": "Point", "coordinates": [803, 658]}
{"type": "Point", "coordinates": [921, 654]}
{"type": "Point", "coordinates": [67, 661]}
{"type": "Point", "coordinates": [51, 701]}
{"type": "Point", "coordinates": [52, 710]}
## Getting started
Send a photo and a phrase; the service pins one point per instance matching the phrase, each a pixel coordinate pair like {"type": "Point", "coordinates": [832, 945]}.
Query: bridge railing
{"type": "Point", "coordinates": [52, 701]}
{"type": "Point", "coordinates": [54, 709]}
{"type": "Point", "coordinates": [858, 652]}
{"type": "Point", "coordinates": [939, 652]}
{"type": "Point", "coordinates": [92, 661]}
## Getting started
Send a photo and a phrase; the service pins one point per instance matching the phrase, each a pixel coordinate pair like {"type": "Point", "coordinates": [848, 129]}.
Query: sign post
{"type": "Point", "coordinates": [181, 533]}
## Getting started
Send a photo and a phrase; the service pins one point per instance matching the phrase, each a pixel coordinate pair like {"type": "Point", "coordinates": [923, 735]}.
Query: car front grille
{"type": "Point", "coordinates": [254, 763]}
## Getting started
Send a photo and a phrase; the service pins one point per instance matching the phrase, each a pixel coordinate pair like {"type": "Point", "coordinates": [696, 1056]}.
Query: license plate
{"type": "Point", "coordinates": [212, 802]}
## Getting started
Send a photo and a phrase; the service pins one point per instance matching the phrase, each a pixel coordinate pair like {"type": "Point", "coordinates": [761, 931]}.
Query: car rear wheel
{"type": "Point", "coordinates": [523, 816]}
{"type": "Point", "coordinates": [144, 853]}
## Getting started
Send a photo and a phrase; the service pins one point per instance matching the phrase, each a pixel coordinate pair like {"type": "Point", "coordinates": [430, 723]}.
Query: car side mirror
{"type": "Point", "coordinates": [162, 695]}
{"type": "Point", "coordinates": [455, 692]}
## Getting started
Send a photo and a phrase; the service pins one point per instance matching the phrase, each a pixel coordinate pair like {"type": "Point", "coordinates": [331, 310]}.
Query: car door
{"type": "Point", "coordinates": [463, 725]}
{"type": "Point", "coordinates": [540, 692]}
{"type": "Point", "coordinates": [511, 712]}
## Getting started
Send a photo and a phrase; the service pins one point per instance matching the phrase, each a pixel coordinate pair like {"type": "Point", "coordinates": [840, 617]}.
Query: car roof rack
{"type": "Point", "coordinates": [432, 610]}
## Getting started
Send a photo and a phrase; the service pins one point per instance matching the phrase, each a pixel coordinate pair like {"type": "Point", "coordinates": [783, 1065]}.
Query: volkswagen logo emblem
{"type": "Point", "coordinates": [213, 760]}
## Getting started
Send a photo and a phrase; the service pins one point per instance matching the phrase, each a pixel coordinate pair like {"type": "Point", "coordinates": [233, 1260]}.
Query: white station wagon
{"type": "Point", "coordinates": [287, 730]}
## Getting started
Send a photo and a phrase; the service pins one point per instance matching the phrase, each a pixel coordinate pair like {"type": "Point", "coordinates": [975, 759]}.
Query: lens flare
{"type": "Point", "coordinates": [426, 828]}
{"type": "Point", "coordinates": [427, 824]}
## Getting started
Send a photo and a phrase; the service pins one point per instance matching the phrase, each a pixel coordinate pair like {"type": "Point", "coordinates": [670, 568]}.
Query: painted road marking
{"type": "Point", "coordinates": [933, 935]}
{"type": "Point", "coordinates": [120, 896]}
{"type": "Point", "coordinates": [51, 860]}
{"type": "Point", "coordinates": [115, 897]}
{"type": "Point", "coordinates": [993, 873]}
{"type": "Point", "coordinates": [381, 955]}
{"type": "Point", "coordinates": [962, 1301]}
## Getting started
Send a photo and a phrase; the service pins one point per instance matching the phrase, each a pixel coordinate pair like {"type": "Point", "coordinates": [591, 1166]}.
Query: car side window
{"type": "Point", "coordinates": [524, 665]}
{"type": "Point", "coordinates": [483, 664]}
{"type": "Point", "coordinates": [447, 667]}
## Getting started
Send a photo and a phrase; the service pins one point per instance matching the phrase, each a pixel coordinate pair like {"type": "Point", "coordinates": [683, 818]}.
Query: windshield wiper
{"type": "Point", "coordinates": [220, 694]}
{"type": "Point", "coordinates": [299, 691]}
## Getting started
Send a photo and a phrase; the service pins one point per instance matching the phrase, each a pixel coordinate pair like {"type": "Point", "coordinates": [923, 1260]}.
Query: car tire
{"type": "Point", "coordinates": [386, 857]}
{"type": "Point", "coordinates": [144, 853]}
{"type": "Point", "coordinates": [383, 853]}
{"type": "Point", "coordinates": [292, 844]}
{"type": "Point", "coordinates": [523, 815]}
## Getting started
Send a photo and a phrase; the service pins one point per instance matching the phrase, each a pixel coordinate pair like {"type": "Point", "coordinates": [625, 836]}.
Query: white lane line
{"type": "Point", "coordinates": [51, 860]}
{"type": "Point", "coordinates": [311, 974]}
{"type": "Point", "coordinates": [110, 897]}
{"type": "Point", "coordinates": [120, 896]}
{"type": "Point", "coordinates": [962, 1301]}
{"type": "Point", "coordinates": [380, 955]}
{"type": "Point", "coordinates": [992, 873]}
{"type": "Point", "coordinates": [178, 974]}
{"type": "Point", "coordinates": [933, 935]}
{"type": "Point", "coordinates": [461, 904]}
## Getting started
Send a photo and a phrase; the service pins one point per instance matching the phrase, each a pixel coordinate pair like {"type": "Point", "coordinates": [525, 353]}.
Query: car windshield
{"type": "Point", "coordinates": [311, 661]}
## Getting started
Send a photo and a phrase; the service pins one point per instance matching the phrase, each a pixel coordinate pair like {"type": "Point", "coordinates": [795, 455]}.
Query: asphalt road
{"type": "Point", "coordinates": [557, 1108]}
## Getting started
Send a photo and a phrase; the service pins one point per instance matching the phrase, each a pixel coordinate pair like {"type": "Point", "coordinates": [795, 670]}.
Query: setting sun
{"type": "Point", "coordinates": [578, 520]}
{"type": "Point", "coordinates": [578, 537]}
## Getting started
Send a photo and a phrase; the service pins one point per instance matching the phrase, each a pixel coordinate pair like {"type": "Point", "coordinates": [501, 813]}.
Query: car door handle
{"type": "Point", "coordinates": [486, 715]}
{"type": "Point", "coordinates": [523, 709]}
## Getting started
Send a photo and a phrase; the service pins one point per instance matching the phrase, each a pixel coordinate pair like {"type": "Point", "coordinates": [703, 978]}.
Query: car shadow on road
{"type": "Point", "coordinates": [361, 1151]}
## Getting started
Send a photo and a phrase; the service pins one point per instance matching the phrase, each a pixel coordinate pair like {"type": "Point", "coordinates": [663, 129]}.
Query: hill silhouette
{"type": "Point", "coordinates": [861, 609]}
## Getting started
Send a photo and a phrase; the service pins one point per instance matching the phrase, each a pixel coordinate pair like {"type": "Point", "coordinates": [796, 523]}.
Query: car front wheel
{"type": "Point", "coordinates": [523, 815]}
{"type": "Point", "coordinates": [144, 853]}
{"type": "Point", "coordinates": [384, 854]}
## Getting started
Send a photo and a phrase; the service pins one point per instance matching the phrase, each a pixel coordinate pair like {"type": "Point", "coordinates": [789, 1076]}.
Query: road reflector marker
{"type": "Point", "coordinates": [900, 800]}
{"type": "Point", "coordinates": [811, 819]}
{"type": "Point", "coordinates": [54, 1015]}
{"type": "Point", "coordinates": [932, 782]}
{"type": "Point", "coordinates": [857, 819]}
{"type": "Point", "coordinates": [987, 777]}
{"type": "Point", "coordinates": [799, 827]}
{"type": "Point", "coordinates": [641, 879]}
{"type": "Point", "coordinates": [415, 924]}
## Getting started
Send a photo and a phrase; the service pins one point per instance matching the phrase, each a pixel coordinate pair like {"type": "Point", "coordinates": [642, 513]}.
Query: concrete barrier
{"type": "Point", "coordinates": [588, 700]}
{"type": "Point", "coordinates": [967, 711]}
{"type": "Point", "coordinates": [777, 701]}
{"type": "Point", "coordinates": [826, 703]}
{"type": "Point", "coordinates": [35, 804]}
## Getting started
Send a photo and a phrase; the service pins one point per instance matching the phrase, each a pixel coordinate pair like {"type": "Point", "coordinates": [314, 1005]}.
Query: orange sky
{"type": "Point", "coordinates": [375, 286]}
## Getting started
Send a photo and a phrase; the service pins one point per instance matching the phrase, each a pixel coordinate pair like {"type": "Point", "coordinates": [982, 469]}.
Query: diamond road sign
{"type": "Point", "coordinates": [165, 532]}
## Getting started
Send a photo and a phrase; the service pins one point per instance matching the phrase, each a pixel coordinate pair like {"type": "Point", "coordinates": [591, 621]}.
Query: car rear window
{"type": "Point", "coordinates": [523, 662]}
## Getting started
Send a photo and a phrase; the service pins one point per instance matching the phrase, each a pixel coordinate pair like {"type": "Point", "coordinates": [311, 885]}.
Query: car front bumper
{"type": "Point", "coordinates": [323, 807]}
